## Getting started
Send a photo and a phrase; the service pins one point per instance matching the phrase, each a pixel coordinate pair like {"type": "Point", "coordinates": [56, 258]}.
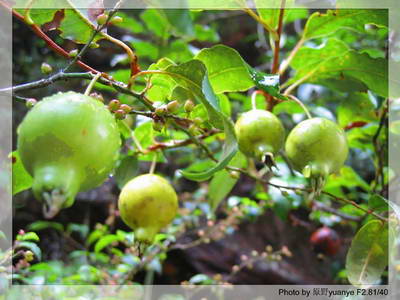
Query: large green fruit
{"type": "Point", "coordinates": [260, 134]}
{"type": "Point", "coordinates": [147, 203]}
{"type": "Point", "coordinates": [317, 147]}
{"type": "Point", "coordinates": [69, 143]}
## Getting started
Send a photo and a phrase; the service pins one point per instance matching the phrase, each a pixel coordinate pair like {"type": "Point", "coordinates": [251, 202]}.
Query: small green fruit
{"type": "Point", "coordinates": [73, 53]}
{"type": "Point", "coordinates": [114, 105]}
{"type": "Point", "coordinates": [126, 108]}
{"type": "Point", "coordinates": [102, 19]}
{"type": "Point", "coordinates": [173, 106]}
{"type": "Point", "coordinates": [120, 114]}
{"type": "Point", "coordinates": [160, 111]}
{"type": "Point", "coordinates": [317, 147]}
{"type": "Point", "coordinates": [260, 135]}
{"type": "Point", "coordinates": [147, 203]}
{"type": "Point", "coordinates": [31, 102]}
{"type": "Point", "coordinates": [117, 20]}
{"type": "Point", "coordinates": [69, 143]}
{"type": "Point", "coordinates": [46, 68]}
{"type": "Point", "coordinates": [189, 106]}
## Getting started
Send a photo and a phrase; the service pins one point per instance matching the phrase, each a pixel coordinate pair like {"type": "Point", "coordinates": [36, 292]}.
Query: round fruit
{"type": "Point", "coordinates": [325, 241]}
{"type": "Point", "coordinates": [69, 143]}
{"type": "Point", "coordinates": [317, 147]}
{"type": "Point", "coordinates": [147, 203]}
{"type": "Point", "coordinates": [260, 134]}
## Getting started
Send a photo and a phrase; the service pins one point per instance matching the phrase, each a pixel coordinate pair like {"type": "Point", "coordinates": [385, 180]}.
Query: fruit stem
{"type": "Point", "coordinates": [91, 84]}
{"type": "Point", "coordinates": [298, 101]}
{"type": "Point", "coordinates": [153, 164]}
{"type": "Point", "coordinates": [253, 99]}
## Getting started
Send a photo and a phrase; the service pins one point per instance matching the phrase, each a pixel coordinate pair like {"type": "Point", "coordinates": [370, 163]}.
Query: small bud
{"type": "Point", "coordinates": [117, 20]}
{"type": "Point", "coordinates": [21, 232]}
{"type": "Point", "coordinates": [264, 254]}
{"type": "Point", "coordinates": [234, 174]}
{"type": "Point", "coordinates": [217, 277]}
{"type": "Point", "coordinates": [120, 114]}
{"type": "Point", "coordinates": [299, 192]}
{"type": "Point", "coordinates": [198, 121]}
{"type": "Point", "coordinates": [200, 233]}
{"type": "Point", "coordinates": [97, 96]}
{"type": "Point", "coordinates": [173, 106]}
{"type": "Point", "coordinates": [102, 19]}
{"type": "Point", "coordinates": [254, 253]}
{"type": "Point", "coordinates": [73, 53]}
{"type": "Point", "coordinates": [207, 241]}
{"type": "Point", "coordinates": [160, 111]}
{"type": "Point", "coordinates": [285, 251]}
{"type": "Point", "coordinates": [114, 105]}
{"type": "Point", "coordinates": [126, 108]}
{"type": "Point", "coordinates": [158, 126]}
{"type": "Point", "coordinates": [189, 105]}
{"type": "Point", "coordinates": [235, 268]}
{"type": "Point", "coordinates": [46, 68]}
{"type": "Point", "coordinates": [94, 45]}
{"type": "Point", "coordinates": [210, 223]}
{"type": "Point", "coordinates": [244, 257]}
{"type": "Point", "coordinates": [29, 256]}
{"type": "Point", "coordinates": [31, 102]}
{"type": "Point", "coordinates": [193, 129]}
{"type": "Point", "coordinates": [269, 249]}
{"type": "Point", "coordinates": [284, 193]}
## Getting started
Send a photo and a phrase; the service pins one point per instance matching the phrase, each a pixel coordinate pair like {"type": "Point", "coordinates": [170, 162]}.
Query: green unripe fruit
{"type": "Point", "coordinates": [260, 135]}
{"type": "Point", "coordinates": [173, 106]}
{"type": "Point", "coordinates": [126, 108]}
{"type": "Point", "coordinates": [198, 121]}
{"type": "Point", "coordinates": [160, 111]}
{"type": "Point", "coordinates": [69, 143]}
{"type": "Point", "coordinates": [189, 106]}
{"type": "Point", "coordinates": [73, 53]}
{"type": "Point", "coordinates": [147, 203]}
{"type": "Point", "coordinates": [102, 19]}
{"type": "Point", "coordinates": [114, 105]}
{"type": "Point", "coordinates": [117, 20]}
{"type": "Point", "coordinates": [317, 147]}
{"type": "Point", "coordinates": [120, 114]}
{"type": "Point", "coordinates": [46, 68]}
{"type": "Point", "coordinates": [31, 102]}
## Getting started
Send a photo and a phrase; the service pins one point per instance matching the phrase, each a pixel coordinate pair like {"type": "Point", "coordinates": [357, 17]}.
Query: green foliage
{"type": "Point", "coordinates": [340, 70]}
{"type": "Point", "coordinates": [368, 254]}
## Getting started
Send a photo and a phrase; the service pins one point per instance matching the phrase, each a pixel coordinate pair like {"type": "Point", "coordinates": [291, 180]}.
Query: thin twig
{"type": "Point", "coordinates": [285, 64]}
{"type": "Point", "coordinates": [299, 102]}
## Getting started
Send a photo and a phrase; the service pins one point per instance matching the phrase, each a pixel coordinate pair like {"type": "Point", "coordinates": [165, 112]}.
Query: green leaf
{"type": "Point", "coordinates": [156, 22]}
{"type": "Point", "coordinates": [180, 21]}
{"type": "Point", "coordinates": [82, 229]}
{"type": "Point", "coordinates": [105, 241]}
{"type": "Point", "coordinates": [40, 225]}
{"type": "Point", "coordinates": [145, 133]}
{"type": "Point", "coordinates": [192, 76]}
{"type": "Point", "coordinates": [29, 236]}
{"type": "Point", "coordinates": [368, 254]}
{"type": "Point", "coordinates": [356, 107]}
{"type": "Point", "coordinates": [21, 180]}
{"type": "Point", "coordinates": [271, 15]}
{"type": "Point", "coordinates": [320, 24]}
{"type": "Point", "coordinates": [128, 168]}
{"type": "Point", "coordinates": [268, 83]}
{"type": "Point", "coordinates": [227, 70]}
{"type": "Point", "coordinates": [30, 246]}
{"type": "Point", "coordinates": [336, 61]}
{"type": "Point", "coordinates": [347, 177]}
{"type": "Point", "coordinates": [129, 23]}
{"type": "Point", "coordinates": [161, 86]}
{"type": "Point", "coordinates": [222, 182]}
{"type": "Point", "coordinates": [377, 203]}
{"type": "Point", "coordinates": [124, 129]}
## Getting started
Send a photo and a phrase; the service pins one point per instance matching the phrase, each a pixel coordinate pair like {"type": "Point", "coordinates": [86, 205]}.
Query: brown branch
{"type": "Point", "coordinates": [275, 63]}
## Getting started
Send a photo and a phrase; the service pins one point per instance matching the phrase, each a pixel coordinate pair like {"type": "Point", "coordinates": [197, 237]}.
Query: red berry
{"type": "Point", "coordinates": [326, 241]}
